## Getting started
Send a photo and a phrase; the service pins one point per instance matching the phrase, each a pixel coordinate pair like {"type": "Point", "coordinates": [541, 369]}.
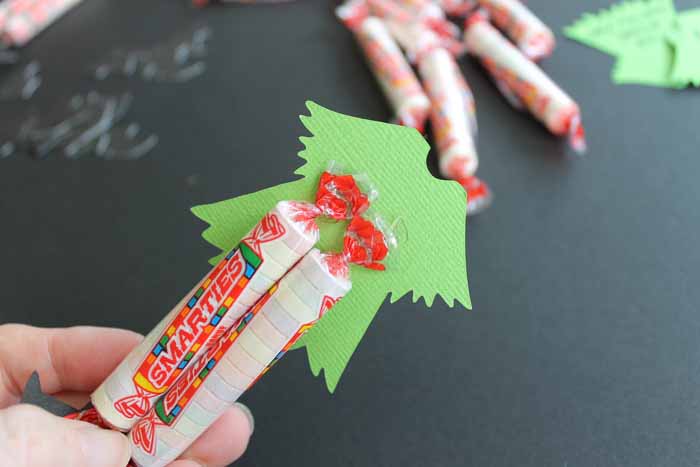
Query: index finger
{"type": "Point", "coordinates": [70, 359]}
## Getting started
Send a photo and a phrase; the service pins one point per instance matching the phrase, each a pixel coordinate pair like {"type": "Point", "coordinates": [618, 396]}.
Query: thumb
{"type": "Point", "coordinates": [32, 437]}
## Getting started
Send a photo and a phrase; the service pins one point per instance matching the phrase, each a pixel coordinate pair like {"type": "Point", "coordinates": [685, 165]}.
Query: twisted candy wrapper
{"type": "Point", "coordinates": [364, 245]}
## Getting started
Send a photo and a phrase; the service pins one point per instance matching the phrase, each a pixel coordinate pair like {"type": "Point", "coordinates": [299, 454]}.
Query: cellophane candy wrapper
{"type": "Point", "coordinates": [22, 20]}
{"type": "Point", "coordinates": [282, 237]}
{"type": "Point", "coordinates": [250, 348]}
{"type": "Point", "coordinates": [529, 33]}
{"type": "Point", "coordinates": [523, 82]}
{"type": "Point", "coordinates": [389, 66]}
{"type": "Point", "coordinates": [453, 110]}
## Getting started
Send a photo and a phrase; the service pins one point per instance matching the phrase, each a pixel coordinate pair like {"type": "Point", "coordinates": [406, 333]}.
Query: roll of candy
{"type": "Point", "coordinates": [390, 67]}
{"type": "Point", "coordinates": [269, 250]}
{"type": "Point", "coordinates": [522, 82]}
{"type": "Point", "coordinates": [22, 20]}
{"type": "Point", "coordinates": [531, 35]}
{"type": "Point", "coordinates": [288, 310]}
{"type": "Point", "coordinates": [453, 111]}
{"type": "Point", "coordinates": [453, 121]}
{"type": "Point", "coordinates": [203, 3]}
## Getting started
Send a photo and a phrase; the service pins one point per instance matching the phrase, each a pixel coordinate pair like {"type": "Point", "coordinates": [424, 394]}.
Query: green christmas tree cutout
{"type": "Point", "coordinates": [430, 259]}
{"type": "Point", "coordinates": [636, 33]}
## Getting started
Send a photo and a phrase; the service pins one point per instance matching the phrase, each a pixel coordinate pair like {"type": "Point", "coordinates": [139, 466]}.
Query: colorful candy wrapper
{"type": "Point", "coordinates": [390, 67]}
{"type": "Point", "coordinates": [22, 20]}
{"type": "Point", "coordinates": [453, 111]}
{"type": "Point", "coordinates": [247, 351]}
{"type": "Point", "coordinates": [269, 250]}
{"type": "Point", "coordinates": [531, 35]}
{"type": "Point", "coordinates": [523, 82]}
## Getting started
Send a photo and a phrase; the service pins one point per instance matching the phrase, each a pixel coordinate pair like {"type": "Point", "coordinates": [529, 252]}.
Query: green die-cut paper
{"type": "Point", "coordinates": [637, 33]}
{"type": "Point", "coordinates": [650, 66]}
{"type": "Point", "coordinates": [431, 258]}
{"type": "Point", "coordinates": [624, 25]}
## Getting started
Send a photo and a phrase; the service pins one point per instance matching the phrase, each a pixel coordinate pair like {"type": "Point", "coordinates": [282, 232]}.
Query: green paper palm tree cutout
{"type": "Point", "coordinates": [431, 258]}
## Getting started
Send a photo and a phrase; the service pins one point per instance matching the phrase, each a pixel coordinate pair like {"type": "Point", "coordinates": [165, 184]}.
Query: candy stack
{"type": "Point", "coordinates": [271, 248]}
{"type": "Point", "coordinates": [248, 350]}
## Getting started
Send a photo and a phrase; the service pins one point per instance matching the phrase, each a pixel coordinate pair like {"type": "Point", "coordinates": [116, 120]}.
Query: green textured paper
{"type": "Point", "coordinates": [431, 213]}
{"type": "Point", "coordinates": [686, 42]}
{"type": "Point", "coordinates": [636, 33]}
{"type": "Point", "coordinates": [651, 66]}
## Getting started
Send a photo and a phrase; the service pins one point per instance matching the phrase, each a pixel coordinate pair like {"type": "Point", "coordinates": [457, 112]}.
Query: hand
{"type": "Point", "coordinates": [71, 363]}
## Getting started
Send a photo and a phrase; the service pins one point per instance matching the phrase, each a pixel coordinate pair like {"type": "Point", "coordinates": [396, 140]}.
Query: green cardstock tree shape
{"type": "Point", "coordinates": [430, 259]}
{"type": "Point", "coordinates": [636, 33]}
{"type": "Point", "coordinates": [686, 42]}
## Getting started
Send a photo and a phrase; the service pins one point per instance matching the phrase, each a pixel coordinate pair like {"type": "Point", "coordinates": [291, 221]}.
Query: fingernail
{"type": "Point", "coordinates": [248, 414]}
{"type": "Point", "coordinates": [104, 448]}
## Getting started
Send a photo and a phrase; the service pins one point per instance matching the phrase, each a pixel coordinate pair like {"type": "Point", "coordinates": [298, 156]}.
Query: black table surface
{"type": "Point", "coordinates": [582, 348]}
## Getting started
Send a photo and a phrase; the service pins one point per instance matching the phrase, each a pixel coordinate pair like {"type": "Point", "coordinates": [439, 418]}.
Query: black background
{"type": "Point", "coordinates": [582, 349]}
